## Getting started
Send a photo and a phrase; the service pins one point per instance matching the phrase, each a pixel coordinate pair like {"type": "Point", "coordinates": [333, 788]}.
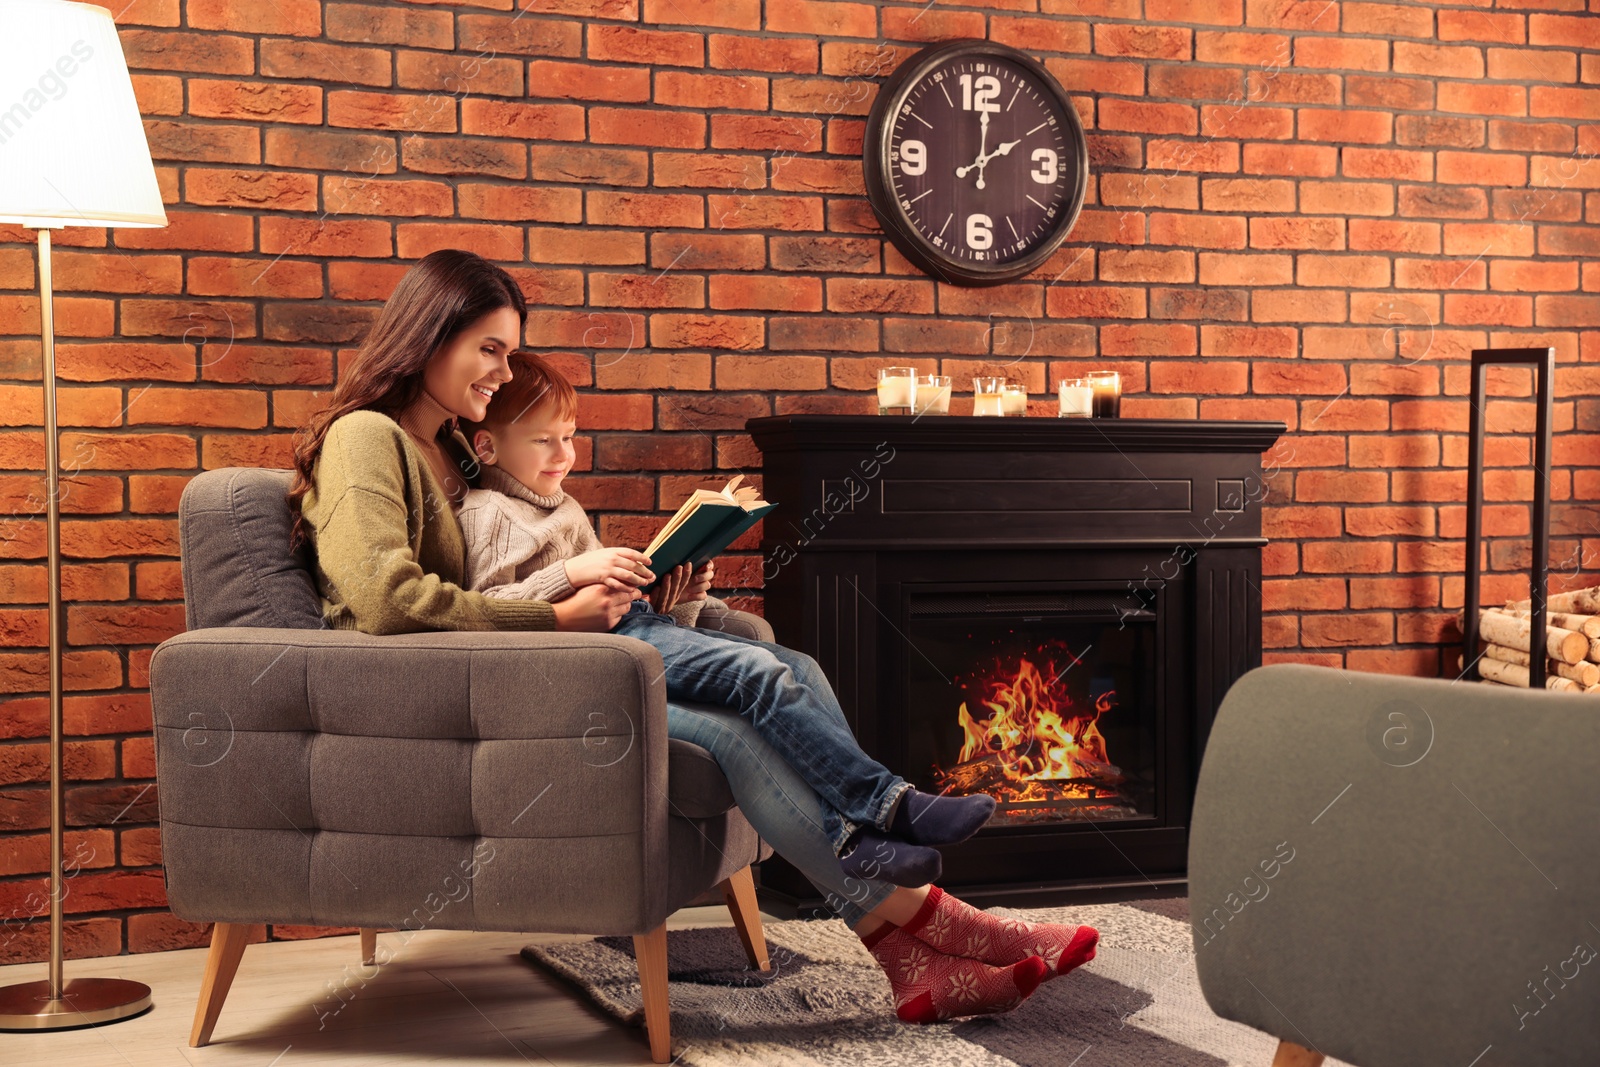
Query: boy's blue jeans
{"type": "Point", "coordinates": [787, 698]}
{"type": "Point", "coordinates": [784, 810]}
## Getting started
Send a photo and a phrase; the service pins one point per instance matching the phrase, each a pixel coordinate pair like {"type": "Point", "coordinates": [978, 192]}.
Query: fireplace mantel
{"type": "Point", "coordinates": [1037, 530]}
{"type": "Point", "coordinates": [849, 433]}
{"type": "Point", "coordinates": [943, 481]}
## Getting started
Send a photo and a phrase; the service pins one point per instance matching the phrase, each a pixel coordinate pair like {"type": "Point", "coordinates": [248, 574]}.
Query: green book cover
{"type": "Point", "coordinates": [729, 532]}
{"type": "Point", "coordinates": [705, 525]}
{"type": "Point", "coordinates": [704, 535]}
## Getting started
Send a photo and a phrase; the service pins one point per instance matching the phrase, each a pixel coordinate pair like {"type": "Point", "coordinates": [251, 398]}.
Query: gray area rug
{"type": "Point", "coordinates": [826, 1002]}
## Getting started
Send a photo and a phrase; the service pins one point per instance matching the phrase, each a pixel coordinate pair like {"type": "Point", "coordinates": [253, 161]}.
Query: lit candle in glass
{"type": "Point", "coordinates": [1013, 397]}
{"type": "Point", "coordinates": [986, 396]}
{"type": "Point", "coordinates": [1107, 386]}
{"type": "Point", "coordinates": [1077, 398]}
{"type": "Point", "coordinates": [933, 394]}
{"type": "Point", "coordinates": [896, 388]}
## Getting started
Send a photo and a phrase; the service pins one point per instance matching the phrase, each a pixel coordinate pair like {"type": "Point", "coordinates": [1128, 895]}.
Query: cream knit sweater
{"type": "Point", "coordinates": [518, 542]}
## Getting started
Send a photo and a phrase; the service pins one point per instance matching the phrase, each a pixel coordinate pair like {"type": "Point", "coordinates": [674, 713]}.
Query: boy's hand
{"type": "Point", "coordinates": [700, 581]}
{"type": "Point", "coordinates": [617, 568]}
{"type": "Point", "coordinates": [670, 589]}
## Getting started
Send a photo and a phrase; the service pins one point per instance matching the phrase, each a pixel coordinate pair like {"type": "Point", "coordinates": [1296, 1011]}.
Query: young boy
{"type": "Point", "coordinates": [526, 538]}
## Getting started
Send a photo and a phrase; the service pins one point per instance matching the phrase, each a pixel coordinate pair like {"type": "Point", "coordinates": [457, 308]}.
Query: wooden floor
{"type": "Point", "coordinates": [446, 997]}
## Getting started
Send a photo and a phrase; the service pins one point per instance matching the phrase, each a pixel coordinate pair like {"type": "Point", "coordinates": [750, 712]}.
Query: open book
{"type": "Point", "coordinates": [705, 525]}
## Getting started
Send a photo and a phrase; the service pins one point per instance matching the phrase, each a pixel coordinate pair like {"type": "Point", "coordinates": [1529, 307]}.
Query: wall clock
{"type": "Point", "coordinates": [975, 162]}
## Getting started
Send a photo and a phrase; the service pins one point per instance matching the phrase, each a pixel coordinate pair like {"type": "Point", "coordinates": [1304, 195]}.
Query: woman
{"type": "Point", "coordinates": [376, 476]}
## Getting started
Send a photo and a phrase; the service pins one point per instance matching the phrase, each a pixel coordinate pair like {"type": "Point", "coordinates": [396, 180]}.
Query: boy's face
{"type": "Point", "coordinates": [536, 450]}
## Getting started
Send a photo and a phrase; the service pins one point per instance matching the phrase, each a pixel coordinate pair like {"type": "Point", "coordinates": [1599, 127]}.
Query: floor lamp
{"type": "Point", "coordinates": [72, 153]}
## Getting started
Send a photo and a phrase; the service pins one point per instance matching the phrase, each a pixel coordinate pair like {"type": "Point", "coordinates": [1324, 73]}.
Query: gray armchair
{"type": "Point", "coordinates": [463, 781]}
{"type": "Point", "coordinates": [1399, 871]}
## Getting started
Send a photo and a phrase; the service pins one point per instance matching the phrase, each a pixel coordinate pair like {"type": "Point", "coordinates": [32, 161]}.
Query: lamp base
{"type": "Point", "coordinates": [83, 1002]}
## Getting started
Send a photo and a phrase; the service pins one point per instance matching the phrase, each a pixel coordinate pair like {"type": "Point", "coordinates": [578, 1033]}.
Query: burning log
{"type": "Point", "coordinates": [985, 774]}
{"type": "Point", "coordinates": [1024, 742]}
{"type": "Point", "coordinates": [1514, 674]}
{"type": "Point", "coordinates": [1585, 674]}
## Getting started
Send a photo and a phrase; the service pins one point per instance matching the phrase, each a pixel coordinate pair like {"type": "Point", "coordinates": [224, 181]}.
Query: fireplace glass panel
{"type": "Point", "coordinates": [1048, 704]}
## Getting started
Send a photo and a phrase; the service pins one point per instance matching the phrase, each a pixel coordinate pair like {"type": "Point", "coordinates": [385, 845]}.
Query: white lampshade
{"type": "Point", "coordinates": [72, 145]}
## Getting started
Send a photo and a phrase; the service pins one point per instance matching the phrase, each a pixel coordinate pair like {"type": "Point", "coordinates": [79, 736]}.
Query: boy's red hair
{"type": "Point", "coordinates": [533, 387]}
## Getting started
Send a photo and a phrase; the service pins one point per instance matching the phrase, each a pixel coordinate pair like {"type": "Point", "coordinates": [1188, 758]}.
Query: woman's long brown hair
{"type": "Point", "coordinates": [444, 293]}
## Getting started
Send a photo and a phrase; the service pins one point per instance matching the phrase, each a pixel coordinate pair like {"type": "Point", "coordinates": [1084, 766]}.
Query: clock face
{"type": "Point", "coordinates": [976, 162]}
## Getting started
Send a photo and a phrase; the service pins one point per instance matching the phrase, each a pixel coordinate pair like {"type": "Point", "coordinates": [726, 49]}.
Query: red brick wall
{"type": "Point", "coordinates": [1299, 211]}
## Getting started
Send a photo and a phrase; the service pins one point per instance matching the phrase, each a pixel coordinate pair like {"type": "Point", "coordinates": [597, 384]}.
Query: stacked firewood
{"type": "Point", "coordinates": [1571, 644]}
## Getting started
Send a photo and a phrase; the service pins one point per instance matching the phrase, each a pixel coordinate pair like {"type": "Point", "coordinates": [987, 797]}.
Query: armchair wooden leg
{"type": "Point", "coordinates": [740, 893]}
{"type": "Point", "coordinates": [369, 945]}
{"type": "Point", "coordinates": [651, 952]}
{"type": "Point", "coordinates": [1293, 1055]}
{"type": "Point", "coordinates": [227, 945]}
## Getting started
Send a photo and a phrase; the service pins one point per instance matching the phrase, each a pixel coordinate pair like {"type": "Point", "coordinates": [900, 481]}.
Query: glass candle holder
{"type": "Point", "coordinates": [986, 396]}
{"type": "Point", "coordinates": [1076, 397]}
{"type": "Point", "coordinates": [933, 395]}
{"type": "Point", "coordinates": [1013, 397]}
{"type": "Point", "coordinates": [1107, 387]}
{"type": "Point", "coordinates": [897, 386]}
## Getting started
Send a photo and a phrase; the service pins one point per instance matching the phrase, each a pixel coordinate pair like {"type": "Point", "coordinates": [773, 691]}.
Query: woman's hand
{"type": "Point", "coordinates": [700, 582]}
{"type": "Point", "coordinates": [594, 608]}
{"type": "Point", "coordinates": [670, 589]}
{"type": "Point", "coordinates": [616, 568]}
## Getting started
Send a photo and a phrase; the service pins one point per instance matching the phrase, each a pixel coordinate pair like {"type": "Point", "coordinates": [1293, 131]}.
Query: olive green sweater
{"type": "Point", "coordinates": [389, 553]}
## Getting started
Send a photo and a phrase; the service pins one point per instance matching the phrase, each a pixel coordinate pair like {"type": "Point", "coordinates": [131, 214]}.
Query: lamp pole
{"type": "Point", "coordinates": [73, 156]}
{"type": "Point", "coordinates": [56, 1004]}
{"type": "Point", "coordinates": [52, 526]}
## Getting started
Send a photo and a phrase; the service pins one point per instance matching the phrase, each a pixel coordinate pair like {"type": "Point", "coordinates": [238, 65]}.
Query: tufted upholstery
{"type": "Point", "coordinates": [488, 781]}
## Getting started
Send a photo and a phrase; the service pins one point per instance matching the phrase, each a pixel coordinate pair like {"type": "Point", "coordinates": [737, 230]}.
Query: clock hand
{"type": "Point", "coordinates": [978, 164]}
{"type": "Point", "coordinates": [983, 141]}
{"type": "Point", "coordinates": [983, 160]}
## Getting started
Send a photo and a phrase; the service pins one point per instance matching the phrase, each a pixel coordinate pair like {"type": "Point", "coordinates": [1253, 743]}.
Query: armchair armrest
{"type": "Point", "coordinates": [530, 683]}
{"type": "Point", "coordinates": [734, 621]}
{"type": "Point", "coordinates": [337, 778]}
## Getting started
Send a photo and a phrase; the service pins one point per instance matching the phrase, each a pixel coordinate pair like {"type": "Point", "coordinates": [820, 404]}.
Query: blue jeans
{"type": "Point", "coordinates": [785, 811]}
{"type": "Point", "coordinates": [787, 698]}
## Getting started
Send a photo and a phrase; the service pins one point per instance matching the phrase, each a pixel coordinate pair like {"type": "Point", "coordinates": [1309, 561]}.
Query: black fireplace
{"type": "Point", "coordinates": [1044, 610]}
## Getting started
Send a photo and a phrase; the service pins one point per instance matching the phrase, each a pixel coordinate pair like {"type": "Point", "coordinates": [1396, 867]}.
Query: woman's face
{"type": "Point", "coordinates": [466, 370]}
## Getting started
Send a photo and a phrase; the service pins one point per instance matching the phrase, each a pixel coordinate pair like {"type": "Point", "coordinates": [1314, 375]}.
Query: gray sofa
{"type": "Point", "coordinates": [1401, 871]}
{"type": "Point", "coordinates": [463, 781]}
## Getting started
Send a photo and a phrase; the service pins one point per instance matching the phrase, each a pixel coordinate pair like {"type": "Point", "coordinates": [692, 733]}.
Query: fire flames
{"type": "Point", "coordinates": [1033, 745]}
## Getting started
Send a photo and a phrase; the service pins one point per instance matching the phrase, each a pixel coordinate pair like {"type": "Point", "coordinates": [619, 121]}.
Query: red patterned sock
{"type": "Point", "coordinates": [929, 986]}
{"type": "Point", "coordinates": [956, 927]}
